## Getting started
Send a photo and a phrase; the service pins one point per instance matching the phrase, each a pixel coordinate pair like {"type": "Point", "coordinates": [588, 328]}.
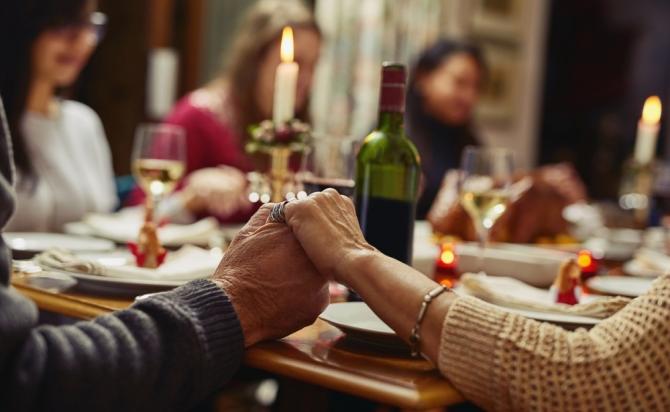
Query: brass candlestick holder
{"type": "Point", "coordinates": [635, 191]}
{"type": "Point", "coordinates": [279, 143]}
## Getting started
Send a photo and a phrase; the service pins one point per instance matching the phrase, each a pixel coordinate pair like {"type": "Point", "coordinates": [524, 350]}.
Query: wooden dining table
{"type": "Point", "coordinates": [319, 354]}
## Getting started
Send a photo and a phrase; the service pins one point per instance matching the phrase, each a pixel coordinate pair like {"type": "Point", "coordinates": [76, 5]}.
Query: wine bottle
{"type": "Point", "coordinates": [387, 174]}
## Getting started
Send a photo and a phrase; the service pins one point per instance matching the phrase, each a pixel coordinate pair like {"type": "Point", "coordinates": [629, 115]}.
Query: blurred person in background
{"type": "Point", "coordinates": [62, 158]}
{"type": "Point", "coordinates": [444, 87]}
{"type": "Point", "coordinates": [217, 115]}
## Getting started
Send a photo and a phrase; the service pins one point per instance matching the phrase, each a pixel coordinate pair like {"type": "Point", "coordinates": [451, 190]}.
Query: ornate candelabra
{"type": "Point", "coordinates": [279, 143]}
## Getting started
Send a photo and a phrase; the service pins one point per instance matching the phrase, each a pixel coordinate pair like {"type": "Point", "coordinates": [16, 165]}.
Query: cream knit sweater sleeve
{"type": "Point", "coordinates": [505, 362]}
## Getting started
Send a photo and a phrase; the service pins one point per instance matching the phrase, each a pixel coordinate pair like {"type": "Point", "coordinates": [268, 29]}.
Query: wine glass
{"type": "Point", "coordinates": [484, 188]}
{"type": "Point", "coordinates": [158, 160]}
{"type": "Point", "coordinates": [329, 163]}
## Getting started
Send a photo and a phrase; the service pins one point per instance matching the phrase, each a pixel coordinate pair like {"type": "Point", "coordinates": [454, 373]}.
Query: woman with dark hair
{"type": "Point", "coordinates": [444, 87]}
{"type": "Point", "coordinates": [217, 115]}
{"type": "Point", "coordinates": [63, 161]}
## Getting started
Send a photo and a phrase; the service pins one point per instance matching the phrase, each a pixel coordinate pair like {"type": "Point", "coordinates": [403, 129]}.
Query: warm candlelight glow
{"type": "Point", "coordinates": [584, 259]}
{"type": "Point", "coordinates": [287, 44]}
{"type": "Point", "coordinates": [447, 257]}
{"type": "Point", "coordinates": [651, 112]}
{"type": "Point", "coordinates": [286, 81]}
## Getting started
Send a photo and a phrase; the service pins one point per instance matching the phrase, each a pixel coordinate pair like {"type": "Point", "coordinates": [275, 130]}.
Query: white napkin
{"type": "Point", "coordinates": [653, 260]}
{"type": "Point", "coordinates": [125, 225]}
{"type": "Point", "coordinates": [512, 293]}
{"type": "Point", "coordinates": [187, 263]}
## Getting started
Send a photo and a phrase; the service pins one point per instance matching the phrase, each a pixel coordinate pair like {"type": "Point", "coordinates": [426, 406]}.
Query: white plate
{"type": "Point", "coordinates": [636, 268]}
{"type": "Point", "coordinates": [620, 285]}
{"type": "Point", "coordinates": [116, 286]}
{"type": "Point", "coordinates": [224, 233]}
{"type": "Point", "coordinates": [359, 322]}
{"type": "Point", "coordinates": [34, 242]}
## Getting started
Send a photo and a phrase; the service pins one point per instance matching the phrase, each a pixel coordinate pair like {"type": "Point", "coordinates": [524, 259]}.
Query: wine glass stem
{"type": "Point", "coordinates": [483, 236]}
{"type": "Point", "coordinates": [151, 206]}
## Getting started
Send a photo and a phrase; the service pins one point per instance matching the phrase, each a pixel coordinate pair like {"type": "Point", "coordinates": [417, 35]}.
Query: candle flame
{"type": "Point", "coordinates": [584, 259]}
{"type": "Point", "coordinates": [651, 112]}
{"type": "Point", "coordinates": [448, 257]}
{"type": "Point", "coordinates": [287, 45]}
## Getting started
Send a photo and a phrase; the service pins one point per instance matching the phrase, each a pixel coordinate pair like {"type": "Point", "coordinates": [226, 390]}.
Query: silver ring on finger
{"type": "Point", "coordinates": [277, 212]}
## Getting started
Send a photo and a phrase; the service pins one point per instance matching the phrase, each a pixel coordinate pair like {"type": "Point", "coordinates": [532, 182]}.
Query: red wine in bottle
{"type": "Point", "coordinates": [387, 174]}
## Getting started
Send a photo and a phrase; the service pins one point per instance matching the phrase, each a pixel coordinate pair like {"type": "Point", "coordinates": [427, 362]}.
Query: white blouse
{"type": "Point", "coordinates": [73, 168]}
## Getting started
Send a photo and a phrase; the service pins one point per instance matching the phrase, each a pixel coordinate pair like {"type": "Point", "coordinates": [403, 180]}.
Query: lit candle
{"type": "Point", "coordinates": [587, 263]}
{"type": "Point", "coordinates": [647, 130]}
{"type": "Point", "coordinates": [286, 80]}
{"type": "Point", "coordinates": [446, 265]}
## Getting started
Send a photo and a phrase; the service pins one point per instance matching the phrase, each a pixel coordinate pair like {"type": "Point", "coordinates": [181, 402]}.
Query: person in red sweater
{"type": "Point", "coordinates": [217, 115]}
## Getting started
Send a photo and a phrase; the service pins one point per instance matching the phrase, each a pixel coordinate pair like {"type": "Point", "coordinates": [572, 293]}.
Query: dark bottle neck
{"type": "Point", "coordinates": [392, 102]}
{"type": "Point", "coordinates": [391, 122]}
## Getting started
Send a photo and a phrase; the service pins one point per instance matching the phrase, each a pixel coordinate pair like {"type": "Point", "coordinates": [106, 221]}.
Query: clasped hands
{"type": "Point", "coordinates": [276, 274]}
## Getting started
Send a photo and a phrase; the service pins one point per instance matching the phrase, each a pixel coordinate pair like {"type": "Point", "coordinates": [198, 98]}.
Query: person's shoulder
{"type": "Point", "coordinates": [78, 111]}
{"type": "Point", "coordinates": [83, 125]}
{"type": "Point", "coordinates": [184, 109]}
{"type": "Point", "coordinates": [200, 110]}
{"type": "Point", "coordinates": [75, 108]}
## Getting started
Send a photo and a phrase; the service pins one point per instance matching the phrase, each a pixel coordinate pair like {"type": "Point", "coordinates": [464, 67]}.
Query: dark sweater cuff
{"type": "Point", "coordinates": [217, 326]}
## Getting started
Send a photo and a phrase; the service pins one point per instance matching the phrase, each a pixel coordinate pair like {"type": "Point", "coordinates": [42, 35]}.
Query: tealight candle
{"type": "Point", "coordinates": [647, 130]}
{"type": "Point", "coordinates": [286, 81]}
{"type": "Point", "coordinates": [446, 265]}
{"type": "Point", "coordinates": [587, 263]}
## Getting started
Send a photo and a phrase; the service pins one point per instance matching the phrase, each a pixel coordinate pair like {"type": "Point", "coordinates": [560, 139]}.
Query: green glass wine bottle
{"type": "Point", "coordinates": [387, 173]}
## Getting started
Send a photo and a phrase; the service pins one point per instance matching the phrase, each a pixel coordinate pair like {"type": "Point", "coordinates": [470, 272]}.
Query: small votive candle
{"type": "Point", "coordinates": [446, 265]}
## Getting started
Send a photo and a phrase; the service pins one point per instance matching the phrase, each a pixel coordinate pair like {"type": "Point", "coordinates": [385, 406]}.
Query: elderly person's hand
{"type": "Point", "coordinates": [272, 284]}
{"type": "Point", "coordinates": [325, 223]}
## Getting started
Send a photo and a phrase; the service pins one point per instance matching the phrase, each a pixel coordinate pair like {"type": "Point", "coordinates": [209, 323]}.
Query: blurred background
{"type": "Point", "coordinates": [566, 81]}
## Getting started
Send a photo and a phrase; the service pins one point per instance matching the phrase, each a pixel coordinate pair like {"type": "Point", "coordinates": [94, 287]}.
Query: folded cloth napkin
{"type": "Point", "coordinates": [187, 263]}
{"type": "Point", "coordinates": [512, 293]}
{"type": "Point", "coordinates": [653, 260]}
{"type": "Point", "coordinates": [125, 225]}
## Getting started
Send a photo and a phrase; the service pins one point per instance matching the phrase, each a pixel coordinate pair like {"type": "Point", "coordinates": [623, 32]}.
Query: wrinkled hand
{"type": "Point", "coordinates": [219, 191]}
{"type": "Point", "coordinates": [273, 286]}
{"type": "Point", "coordinates": [564, 179]}
{"type": "Point", "coordinates": [326, 226]}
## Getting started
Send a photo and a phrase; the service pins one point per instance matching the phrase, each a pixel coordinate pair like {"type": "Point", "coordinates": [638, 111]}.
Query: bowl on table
{"type": "Point", "coordinates": [534, 265]}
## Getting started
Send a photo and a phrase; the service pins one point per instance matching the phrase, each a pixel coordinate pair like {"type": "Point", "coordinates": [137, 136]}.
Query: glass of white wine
{"type": "Point", "coordinates": [484, 188]}
{"type": "Point", "coordinates": [158, 160]}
